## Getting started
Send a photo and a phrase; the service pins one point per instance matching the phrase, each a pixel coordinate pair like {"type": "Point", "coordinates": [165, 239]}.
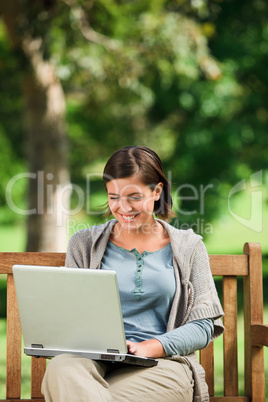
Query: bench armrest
{"type": "Point", "coordinates": [259, 335]}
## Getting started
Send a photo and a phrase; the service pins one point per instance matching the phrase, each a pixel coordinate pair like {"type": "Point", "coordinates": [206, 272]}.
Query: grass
{"type": "Point", "coordinates": [12, 237]}
{"type": "Point", "coordinates": [228, 234]}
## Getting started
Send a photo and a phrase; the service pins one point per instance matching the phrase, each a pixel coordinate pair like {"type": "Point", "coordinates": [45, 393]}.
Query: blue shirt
{"type": "Point", "coordinates": [147, 286]}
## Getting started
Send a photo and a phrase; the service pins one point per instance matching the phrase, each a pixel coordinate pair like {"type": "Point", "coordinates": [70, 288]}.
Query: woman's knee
{"type": "Point", "coordinates": [75, 367]}
{"type": "Point", "coordinates": [71, 378]}
{"type": "Point", "coordinates": [169, 381]}
{"type": "Point", "coordinates": [59, 363]}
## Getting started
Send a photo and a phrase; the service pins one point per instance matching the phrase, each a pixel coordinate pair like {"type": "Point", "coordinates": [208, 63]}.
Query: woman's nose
{"type": "Point", "coordinates": [125, 205]}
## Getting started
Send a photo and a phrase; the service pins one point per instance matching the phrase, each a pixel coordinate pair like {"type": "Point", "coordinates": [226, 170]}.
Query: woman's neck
{"type": "Point", "coordinates": [150, 238]}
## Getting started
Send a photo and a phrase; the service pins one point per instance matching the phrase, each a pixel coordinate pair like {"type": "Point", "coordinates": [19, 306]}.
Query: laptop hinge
{"type": "Point", "coordinates": [112, 351]}
{"type": "Point", "coordinates": [36, 345]}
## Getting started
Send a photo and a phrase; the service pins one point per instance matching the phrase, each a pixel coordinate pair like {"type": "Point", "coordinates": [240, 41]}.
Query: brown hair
{"type": "Point", "coordinates": [146, 164]}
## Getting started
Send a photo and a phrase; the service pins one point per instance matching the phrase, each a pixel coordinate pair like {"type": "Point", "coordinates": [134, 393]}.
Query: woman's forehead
{"type": "Point", "coordinates": [128, 185]}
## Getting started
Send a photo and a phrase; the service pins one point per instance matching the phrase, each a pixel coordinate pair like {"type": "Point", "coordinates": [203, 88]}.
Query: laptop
{"type": "Point", "coordinates": [72, 310]}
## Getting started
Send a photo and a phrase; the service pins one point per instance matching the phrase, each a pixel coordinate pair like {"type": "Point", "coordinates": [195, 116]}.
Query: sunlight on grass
{"type": "Point", "coordinates": [229, 235]}
{"type": "Point", "coordinates": [12, 237]}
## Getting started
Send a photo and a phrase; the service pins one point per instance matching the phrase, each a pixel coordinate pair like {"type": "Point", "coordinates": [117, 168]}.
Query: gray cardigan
{"type": "Point", "coordinates": [196, 297]}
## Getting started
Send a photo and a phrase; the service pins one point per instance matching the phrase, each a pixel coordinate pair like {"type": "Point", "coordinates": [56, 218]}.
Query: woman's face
{"type": "Point", "coordinates": [132, 202]}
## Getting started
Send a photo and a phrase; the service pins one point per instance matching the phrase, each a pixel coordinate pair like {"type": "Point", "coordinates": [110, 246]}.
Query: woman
{"type": "Point", "coordinates": [169, 302]}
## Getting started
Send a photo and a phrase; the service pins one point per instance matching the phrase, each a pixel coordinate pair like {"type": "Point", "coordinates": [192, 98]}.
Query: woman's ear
{"type": "Point", "coordinates": [157, 191]}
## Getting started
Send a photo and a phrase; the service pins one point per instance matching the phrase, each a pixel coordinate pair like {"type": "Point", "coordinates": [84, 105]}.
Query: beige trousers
{"type": "Point", "coordinates": [70, 378]}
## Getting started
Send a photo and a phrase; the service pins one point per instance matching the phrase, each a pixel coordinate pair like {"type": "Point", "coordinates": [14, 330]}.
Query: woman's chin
{"type": "Point", "coordinates": [132, 224]}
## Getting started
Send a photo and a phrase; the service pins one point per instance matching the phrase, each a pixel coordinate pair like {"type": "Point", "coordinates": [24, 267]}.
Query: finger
{"type": "Point", "coordinates": [130, 346]}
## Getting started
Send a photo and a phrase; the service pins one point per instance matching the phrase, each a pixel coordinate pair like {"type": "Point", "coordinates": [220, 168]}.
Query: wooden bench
{"type": "Point", "coordinates": [228, 267]}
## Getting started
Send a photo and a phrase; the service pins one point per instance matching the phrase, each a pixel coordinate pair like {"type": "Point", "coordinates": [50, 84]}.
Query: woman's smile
{"type": "Point", "coordinates": [129, 218]}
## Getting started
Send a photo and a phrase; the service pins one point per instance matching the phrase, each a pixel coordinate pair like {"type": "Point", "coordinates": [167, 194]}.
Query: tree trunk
{"type": "Point", "coordinates": [49, 183]}
{"type": "Point", "coordinates": [49, 189]}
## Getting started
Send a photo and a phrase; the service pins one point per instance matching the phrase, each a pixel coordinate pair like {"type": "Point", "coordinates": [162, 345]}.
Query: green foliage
{"type": "Point", "coordinates": [187, 79]}
{"type": "Point", "coordinates": [12, 144]}
{"type": "Point", "coordinates": [243, 46]}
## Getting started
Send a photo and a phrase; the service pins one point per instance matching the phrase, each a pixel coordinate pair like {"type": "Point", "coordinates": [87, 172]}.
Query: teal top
{"type": "Point", "coordinates": [147, 287]}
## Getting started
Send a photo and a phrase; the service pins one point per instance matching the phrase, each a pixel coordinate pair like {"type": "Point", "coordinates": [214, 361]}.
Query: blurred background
{"type": "Point", "coordinates": [81, 78]}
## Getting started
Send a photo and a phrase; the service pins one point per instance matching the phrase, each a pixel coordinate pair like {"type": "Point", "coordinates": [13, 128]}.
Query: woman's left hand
{"type": "Point", "coordinates": [151, 348]}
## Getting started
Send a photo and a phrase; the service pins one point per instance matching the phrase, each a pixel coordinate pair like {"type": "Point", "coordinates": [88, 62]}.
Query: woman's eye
{"type": "Point", "coordinates": [132, 198]}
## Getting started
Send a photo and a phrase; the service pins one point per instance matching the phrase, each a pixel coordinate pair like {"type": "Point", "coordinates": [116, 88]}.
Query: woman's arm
{"type": "Point", "coordinates": [150, 348]}
{"type": "Point", "coordinates": [188, 338]}
{"type": "Point", "coordinates": [184, 340]}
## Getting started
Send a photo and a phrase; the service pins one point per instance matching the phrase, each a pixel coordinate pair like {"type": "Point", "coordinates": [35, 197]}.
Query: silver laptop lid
{"type": "Point", "coordinates": [69, 308]}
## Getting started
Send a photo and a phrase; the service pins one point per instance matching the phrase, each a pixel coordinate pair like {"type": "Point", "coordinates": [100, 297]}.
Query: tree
{"type": "Point", "coordinates": [45, 125]}
{"type": "Point", "coordinates": [163, 74]}
{"type": "Point", "coordinates": [125, 57]}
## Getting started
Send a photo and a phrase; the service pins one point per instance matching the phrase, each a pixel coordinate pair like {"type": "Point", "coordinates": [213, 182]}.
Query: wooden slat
{"type": "Point", "coordinates": [207, 362]}
{"type": "Point", "coordinates": [13, 375]}
{"type": "Point", "coordinates": [7, 260]}
{"type": "Point", "coordinates": [230, 265]}
{"type": "Point", "coordinates": [259, 335]}
{"type": "Point", "coordinates": [38, 368]}
{"type": "Point", "coordinates": [253, 315]}
{"type": "Point", "coordinates": [247, 337]}
{"type": "Point", "coordinates": [258, 378]}
{"type": "Point", "coordinates": [230, 336]}
{"type": "Point", "coordinates": [230, 399]}
{"type": "Point", "coordinates": [23, 400]}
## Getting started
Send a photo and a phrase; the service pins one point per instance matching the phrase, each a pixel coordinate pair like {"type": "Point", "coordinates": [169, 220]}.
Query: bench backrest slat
{"type": "Point", "coordinates": [229, 265]}
{"type": "Point", "coordinates": [50, 259]}
{"type": "Point", "coordinates": [38, 368]}
{"type": "Point", "coordinates": [230, 336]}
{"type": "Point", "coordinates": [253, 314]}
{"type": "Point", "coordinates": [13, 381]}
{"type": "Point", "coordinates": [207, 361]}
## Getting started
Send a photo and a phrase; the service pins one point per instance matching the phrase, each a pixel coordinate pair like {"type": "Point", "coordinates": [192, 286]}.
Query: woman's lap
{"type": "Point", "coordinates": [168, 381]}
{"type": "Point", "coordinates": [72, 378]}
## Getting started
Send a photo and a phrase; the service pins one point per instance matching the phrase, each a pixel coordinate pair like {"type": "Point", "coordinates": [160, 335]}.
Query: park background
{"type": "Point", "coordinates": [80, 79]}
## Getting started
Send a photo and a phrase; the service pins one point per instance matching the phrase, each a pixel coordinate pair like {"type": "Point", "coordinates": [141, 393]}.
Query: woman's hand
{"type": "Point", "coordinates": [151, 348]}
